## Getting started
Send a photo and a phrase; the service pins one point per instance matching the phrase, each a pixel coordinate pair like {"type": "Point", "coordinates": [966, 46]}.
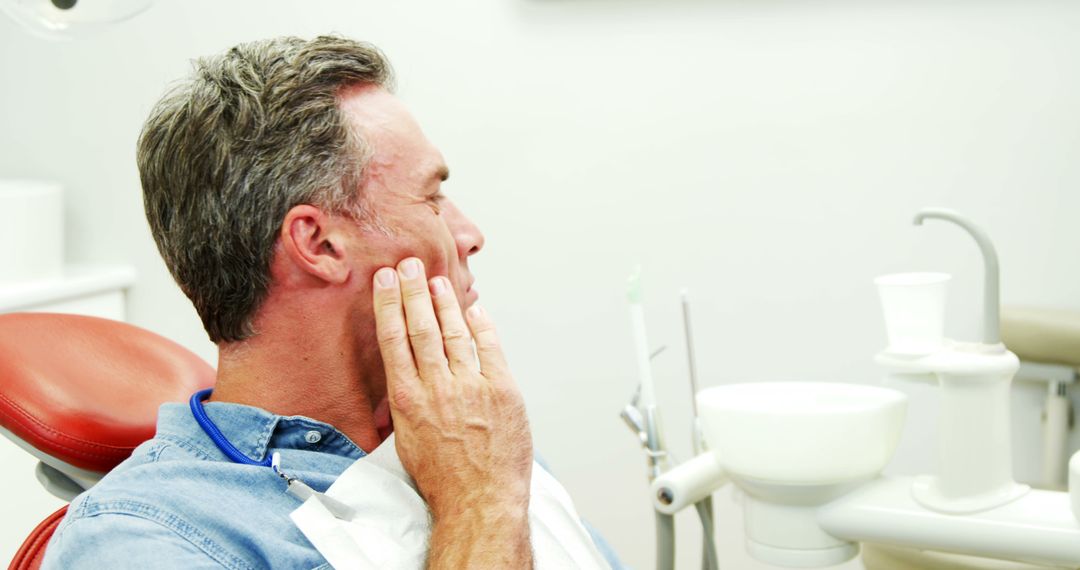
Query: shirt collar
{"type": "Point", "coordinates": [254, 431]}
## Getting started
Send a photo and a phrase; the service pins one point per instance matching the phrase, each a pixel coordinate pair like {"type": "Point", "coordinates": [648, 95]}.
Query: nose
{"type": "Point", "coordinates": [468, 238]}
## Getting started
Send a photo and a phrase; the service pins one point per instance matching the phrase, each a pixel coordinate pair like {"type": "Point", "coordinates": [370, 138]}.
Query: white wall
{"type": "Point", "coordinates": [767, 154]}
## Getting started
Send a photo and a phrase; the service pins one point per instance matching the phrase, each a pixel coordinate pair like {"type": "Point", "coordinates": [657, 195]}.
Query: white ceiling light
{"type": "Point", "coordinates": [65, 19]}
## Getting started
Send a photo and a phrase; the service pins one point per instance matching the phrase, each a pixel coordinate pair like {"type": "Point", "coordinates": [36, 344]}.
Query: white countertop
{"type": "Point", "coordinates": [77, 281]}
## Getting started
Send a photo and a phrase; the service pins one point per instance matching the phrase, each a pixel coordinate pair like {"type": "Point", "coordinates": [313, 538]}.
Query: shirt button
{"type": "Point", "coordinates": [312, 436]}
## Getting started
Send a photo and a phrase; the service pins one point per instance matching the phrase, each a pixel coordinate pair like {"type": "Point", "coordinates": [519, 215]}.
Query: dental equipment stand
{"type": "Point", "coordinates": [642, 417]}
{"type": "Point", "coordinates": [644, 424]}
{"type": "Point", "coordinates": [808, 456]}
{"type": "Point", "coordinates": [704, 507]}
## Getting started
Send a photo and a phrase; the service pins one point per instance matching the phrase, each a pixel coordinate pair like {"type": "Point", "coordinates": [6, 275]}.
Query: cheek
{"type": "Point", "coordinates": [426, 237]}
{"type": "Point", "coordinates": [436, 261]}
{"type": "Point", "coordinates": [433, 244]}
{"type": "Point", "coordinates": [434, 254]}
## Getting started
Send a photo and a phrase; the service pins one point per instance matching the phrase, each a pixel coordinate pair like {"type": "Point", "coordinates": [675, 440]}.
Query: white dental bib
{"type": "Point", "coordinates": [390, 526]}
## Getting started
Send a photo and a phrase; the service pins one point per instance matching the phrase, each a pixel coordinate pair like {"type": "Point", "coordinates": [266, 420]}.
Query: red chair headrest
{"type": "Point", "coordinates": [87, 390]}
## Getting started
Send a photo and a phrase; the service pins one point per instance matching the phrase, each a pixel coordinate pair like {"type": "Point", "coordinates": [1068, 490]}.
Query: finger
{"type": "Point", "coordinates": [390, 329]}
{"type": "Point", "coordinates": [424, 334]}
{"type": "Point", "coordinates": [457, 340]}
{"type": "Point", "coordinates": [488, 349]}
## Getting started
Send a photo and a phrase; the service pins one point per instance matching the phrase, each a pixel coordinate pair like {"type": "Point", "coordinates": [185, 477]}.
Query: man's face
{"type": "Point", "coordinates": [402, 184]}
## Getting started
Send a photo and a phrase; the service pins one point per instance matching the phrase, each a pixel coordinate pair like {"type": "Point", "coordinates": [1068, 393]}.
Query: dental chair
{"type": "Point", "coordinates": [80, 393]}
{"type": "Point", "coordinates": [1048, 344]}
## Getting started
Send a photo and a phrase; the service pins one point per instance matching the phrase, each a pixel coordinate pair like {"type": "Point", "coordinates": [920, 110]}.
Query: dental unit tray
{"type": "Point", "coordinates": [808, 456]}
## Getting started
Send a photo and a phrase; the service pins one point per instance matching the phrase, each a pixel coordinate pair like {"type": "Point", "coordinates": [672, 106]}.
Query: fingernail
{"type": "Point", "coordinates": [385, 277]}
{"type": "Point", "coordinates": [475, 311]}
{"type": "Point", "coordinates": [438, 285]}
{"type": "Point", "coordinates": [410, 268]}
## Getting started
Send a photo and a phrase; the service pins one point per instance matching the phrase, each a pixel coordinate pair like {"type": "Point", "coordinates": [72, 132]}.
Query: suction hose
{"type": "Point", "coordinates": [665, 541]}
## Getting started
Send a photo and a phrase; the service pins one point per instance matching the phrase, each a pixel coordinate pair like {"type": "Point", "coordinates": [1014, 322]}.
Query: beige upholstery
{"type": "Point", "coordinates": [1050, 336]}
{"type": "Point", "coordinates": [885, 557]}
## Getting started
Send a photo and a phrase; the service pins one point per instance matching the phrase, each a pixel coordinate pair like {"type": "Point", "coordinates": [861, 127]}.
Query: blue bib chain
{"type": "Point", "coordinates": [215, 434]}
{"type": "Point", "coordinates": [294, 486]}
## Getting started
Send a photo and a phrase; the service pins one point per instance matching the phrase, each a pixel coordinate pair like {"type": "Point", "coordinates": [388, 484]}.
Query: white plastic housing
{"type": "Point", "coordinates": [1037, 528]}
{"type": "Point", "coordinates": [914, 309]}
{"type": "Point", "coordinates": [32, 232]}
{"type": "Point", "coordinates": [974, 470]}
{"type": "Point", "coordinates": [688, 483]}
{"type": "Point", "coordinates": [782, 527]}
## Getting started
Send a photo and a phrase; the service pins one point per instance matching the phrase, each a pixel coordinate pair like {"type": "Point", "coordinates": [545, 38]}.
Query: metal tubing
{"type": "Point", "coordinates": [665, 541]}
{"type": "Point", "coordinates": [665, 524]}
{"type": "Point", "coordinates": [704, 507]}
{"type": "Point", "coordinates": [1055, 436]}
{"type": "Point", "coordinates": [708, 535]}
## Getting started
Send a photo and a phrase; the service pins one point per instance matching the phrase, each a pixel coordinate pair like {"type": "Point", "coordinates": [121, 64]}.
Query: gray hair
{"type": "Point", "coordinates": [225, 154]}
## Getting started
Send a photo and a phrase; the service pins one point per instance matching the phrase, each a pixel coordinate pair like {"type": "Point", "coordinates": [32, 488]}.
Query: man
{"type": "Point", "coordinates": [298, 205]}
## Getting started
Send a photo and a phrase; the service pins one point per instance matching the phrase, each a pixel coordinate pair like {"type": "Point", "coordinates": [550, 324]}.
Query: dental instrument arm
{"type": "Point", "coordinates": [704, 507]}
{"type": "Point", "coordinates": [664, 523]}
{"type": "Point", "coordinates": [991, 277]}
{"type": "Point", "coordinates": [641, 340]}
{"type": "Point", "coordinates": [649, 429]}
{"type": "Point", "coordinates": [644, 426]}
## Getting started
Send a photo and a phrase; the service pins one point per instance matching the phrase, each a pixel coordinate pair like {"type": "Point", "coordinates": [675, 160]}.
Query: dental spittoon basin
{"type": "Point", "coordinates": [791, 446]}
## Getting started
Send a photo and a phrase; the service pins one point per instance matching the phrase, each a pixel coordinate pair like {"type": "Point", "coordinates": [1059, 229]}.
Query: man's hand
{"type": "Point", "coordinates": [460, 425]}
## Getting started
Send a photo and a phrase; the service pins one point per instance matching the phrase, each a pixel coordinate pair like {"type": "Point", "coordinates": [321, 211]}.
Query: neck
{"type": "Point", "coordinates": [310, 366]}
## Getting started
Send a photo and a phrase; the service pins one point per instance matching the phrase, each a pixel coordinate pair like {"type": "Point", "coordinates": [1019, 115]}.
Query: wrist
{"type": "Point", "coordinates": [492, 534]}
{"type": "Point", "coordinates": [486, 509]}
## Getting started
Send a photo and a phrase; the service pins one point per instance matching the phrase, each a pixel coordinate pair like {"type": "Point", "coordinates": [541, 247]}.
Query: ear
{"type": "Point", "coordinates": [312, 241]}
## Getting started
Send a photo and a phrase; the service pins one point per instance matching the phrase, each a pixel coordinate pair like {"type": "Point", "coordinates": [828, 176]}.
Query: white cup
{"type": "Point", "coordinates": [914, 308]}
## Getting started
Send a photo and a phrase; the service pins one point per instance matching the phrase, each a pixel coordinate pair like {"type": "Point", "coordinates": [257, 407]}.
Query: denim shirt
{"type": "Point", "coordinates": [179, 502]}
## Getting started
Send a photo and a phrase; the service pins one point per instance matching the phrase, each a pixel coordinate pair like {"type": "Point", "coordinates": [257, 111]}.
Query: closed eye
{"type": "Point", "coordinates": [435, 200]}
